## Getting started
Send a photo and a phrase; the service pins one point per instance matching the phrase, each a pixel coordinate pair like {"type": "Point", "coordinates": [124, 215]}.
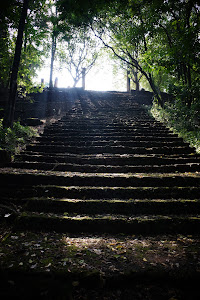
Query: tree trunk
{"type": "Point", "coordinates": [4, 36]}
{"type": "Point", "coordinates": [10, 109]}
{"type": "Point", "coordinates": [75, 82]}
{"type": "Point", "coordinates": [137, 84]}
{"type": "Point", "coordinates": [190, 98]}
{"type": "Point", "coordinates": [128, 81]}
{"type": "Point", "coordinates": [53, 47]}
{"type": "Point", "coordinates": [53, 50]}
{"type": "Point", "coordinates": [156, 93]}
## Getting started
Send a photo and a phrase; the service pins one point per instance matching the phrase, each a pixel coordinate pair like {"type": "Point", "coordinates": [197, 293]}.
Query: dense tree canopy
{"type": "Point", "coordinates": [33, 47]}
{"type": "Point", "coordinates": [24, 56]}
{"type": "Point", "coordinates": [158, 39]}
{"type": "Point", "coordinates": [9, 16]}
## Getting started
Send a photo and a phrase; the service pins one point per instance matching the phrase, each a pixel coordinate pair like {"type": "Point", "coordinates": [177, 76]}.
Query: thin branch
{"type": "Point", "coordinates": [167, 34]}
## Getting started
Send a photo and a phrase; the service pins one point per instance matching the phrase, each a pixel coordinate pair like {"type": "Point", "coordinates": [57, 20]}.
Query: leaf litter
{"type": "Point", "coordinates": [105, 253]}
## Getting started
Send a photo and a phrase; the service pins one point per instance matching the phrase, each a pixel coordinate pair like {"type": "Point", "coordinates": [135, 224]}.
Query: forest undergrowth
{"type": "Point", "coordinates": [14, 139]}
{"type": "Point", "coordinates": [180, 119]}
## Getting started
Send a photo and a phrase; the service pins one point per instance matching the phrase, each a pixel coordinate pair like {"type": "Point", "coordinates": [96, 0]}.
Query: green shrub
{"type": "Point", "coordinates": [13, 140]}
{"type": "Point", "coordinates": [180, 119]}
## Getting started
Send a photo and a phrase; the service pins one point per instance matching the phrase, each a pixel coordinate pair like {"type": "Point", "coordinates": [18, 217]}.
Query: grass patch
{"type": "Point", "coordinates": [14, 139]}
{"type": "Point", "coordinates": [181, 120]}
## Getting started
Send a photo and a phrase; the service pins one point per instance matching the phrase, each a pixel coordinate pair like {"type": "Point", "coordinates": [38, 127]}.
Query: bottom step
{"type": "Point", "coordinates": [109, 223]}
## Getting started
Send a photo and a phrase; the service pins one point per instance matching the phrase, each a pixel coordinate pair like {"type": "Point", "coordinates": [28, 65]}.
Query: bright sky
{"type": "Point", "coordinates": [100, 78]}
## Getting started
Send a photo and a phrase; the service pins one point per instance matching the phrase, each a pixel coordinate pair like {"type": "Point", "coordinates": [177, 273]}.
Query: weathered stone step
{"type": "Point", "coordinates": [109, 149]}
{"type": "Point", "coordinates": [112, 143]}
{"type": "Point", "coordinates": [88, 192]}
{"type": "Point", "coordinates": [106, 125]}
{"type": "Point", "coordinates": [141, 131]}
{"type": "Point", "coordinates": [111, 160]}
{"type": "Point", "coordinates": [113, 206]}
{"type": "Point", "coordinates": [191, 167]}
{"type": "Point", "coordinates": [103, 127]}
{"type": "Point", "coordinates": [122, 138]}
{"type": "Point", "coordinates": [81, 131]}
{"type": "Point", "coordinates": [110, 223]}
{"type": "Point", "coordinates": [113, 135]}
{"type": "Point", "coordinates": [114, 120]}
{"type": "Point", "coordinates": [97, 180]}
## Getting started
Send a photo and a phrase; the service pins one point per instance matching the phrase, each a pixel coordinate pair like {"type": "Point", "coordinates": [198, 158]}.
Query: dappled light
{"type": "Point", "coordinates": [104, 192]}
{"type": "Point", "coordinates": [104, 253]}
{"type": "Point", "coordinates": [99, 150]}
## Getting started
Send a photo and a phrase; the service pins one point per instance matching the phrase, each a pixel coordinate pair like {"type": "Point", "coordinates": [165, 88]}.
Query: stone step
{"type": "Point", "coordinates": [109, 149]}
{"type": "Point", "coordinates": [105, 127]}
{"type": "Point", "coordinates": [112, 143]}
{"type": "Point", "coordinates": [122, 138]}
{"type": "Point", "coordinates": [106, 124]}
{"type": "Point", "coordinates": [112, 135]}
{"type": "Point", "coordinates": [93, 118]}
{"type": "Point", "coordinates": [109, 223]}
{"type": "Point", "coordinates": [100, 192]}
{"type": "Point", "coordinates": [97, 180]}
{"type": "Point", "coordinates": [191, 167]}
{"type": "Point", "coordinates": [109, 160]}
{"type": "Point", "coordinates": [115, 120]}
{"type": "Point", "coordinates": [142, 131]}
{"type": "Point", "coordinates": [115, 206]}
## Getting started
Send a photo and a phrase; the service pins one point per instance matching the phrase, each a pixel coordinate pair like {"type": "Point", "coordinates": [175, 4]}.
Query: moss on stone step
{"type": "Point", "coordinates": [110, 223]}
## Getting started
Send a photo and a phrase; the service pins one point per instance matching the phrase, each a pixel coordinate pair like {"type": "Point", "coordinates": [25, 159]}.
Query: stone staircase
{"type": "Point", "coordinates": [106, 166]}
{"type": "Point", "coordinates": [105, 170]}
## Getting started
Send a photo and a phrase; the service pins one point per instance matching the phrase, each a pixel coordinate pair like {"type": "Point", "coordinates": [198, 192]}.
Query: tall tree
{"type": "Point", "coordinates": [9, 17]}
{"type": "Point", "coordinates": [179, 33]}
{"type": "Point", "coordinates": [124, 32]}
{"type": "Point", "coordinates": [9, 114]}
{"type": "Point", "coordinates": [26, 56]}
{"type": "Point", "coordinates": [79, 52]}
{"type": "Point", "coordinates": [35, 46]}
{"type": "Point", "coordinates": [54, 36]}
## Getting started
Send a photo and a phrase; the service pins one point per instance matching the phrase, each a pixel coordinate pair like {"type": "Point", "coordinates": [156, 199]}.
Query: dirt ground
{"type": "Point", "coordinates": [66, 266]}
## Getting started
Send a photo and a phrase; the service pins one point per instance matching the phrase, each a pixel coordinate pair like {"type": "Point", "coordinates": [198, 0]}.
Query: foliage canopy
{"type": "Point", "coordinates": [155, 40]}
